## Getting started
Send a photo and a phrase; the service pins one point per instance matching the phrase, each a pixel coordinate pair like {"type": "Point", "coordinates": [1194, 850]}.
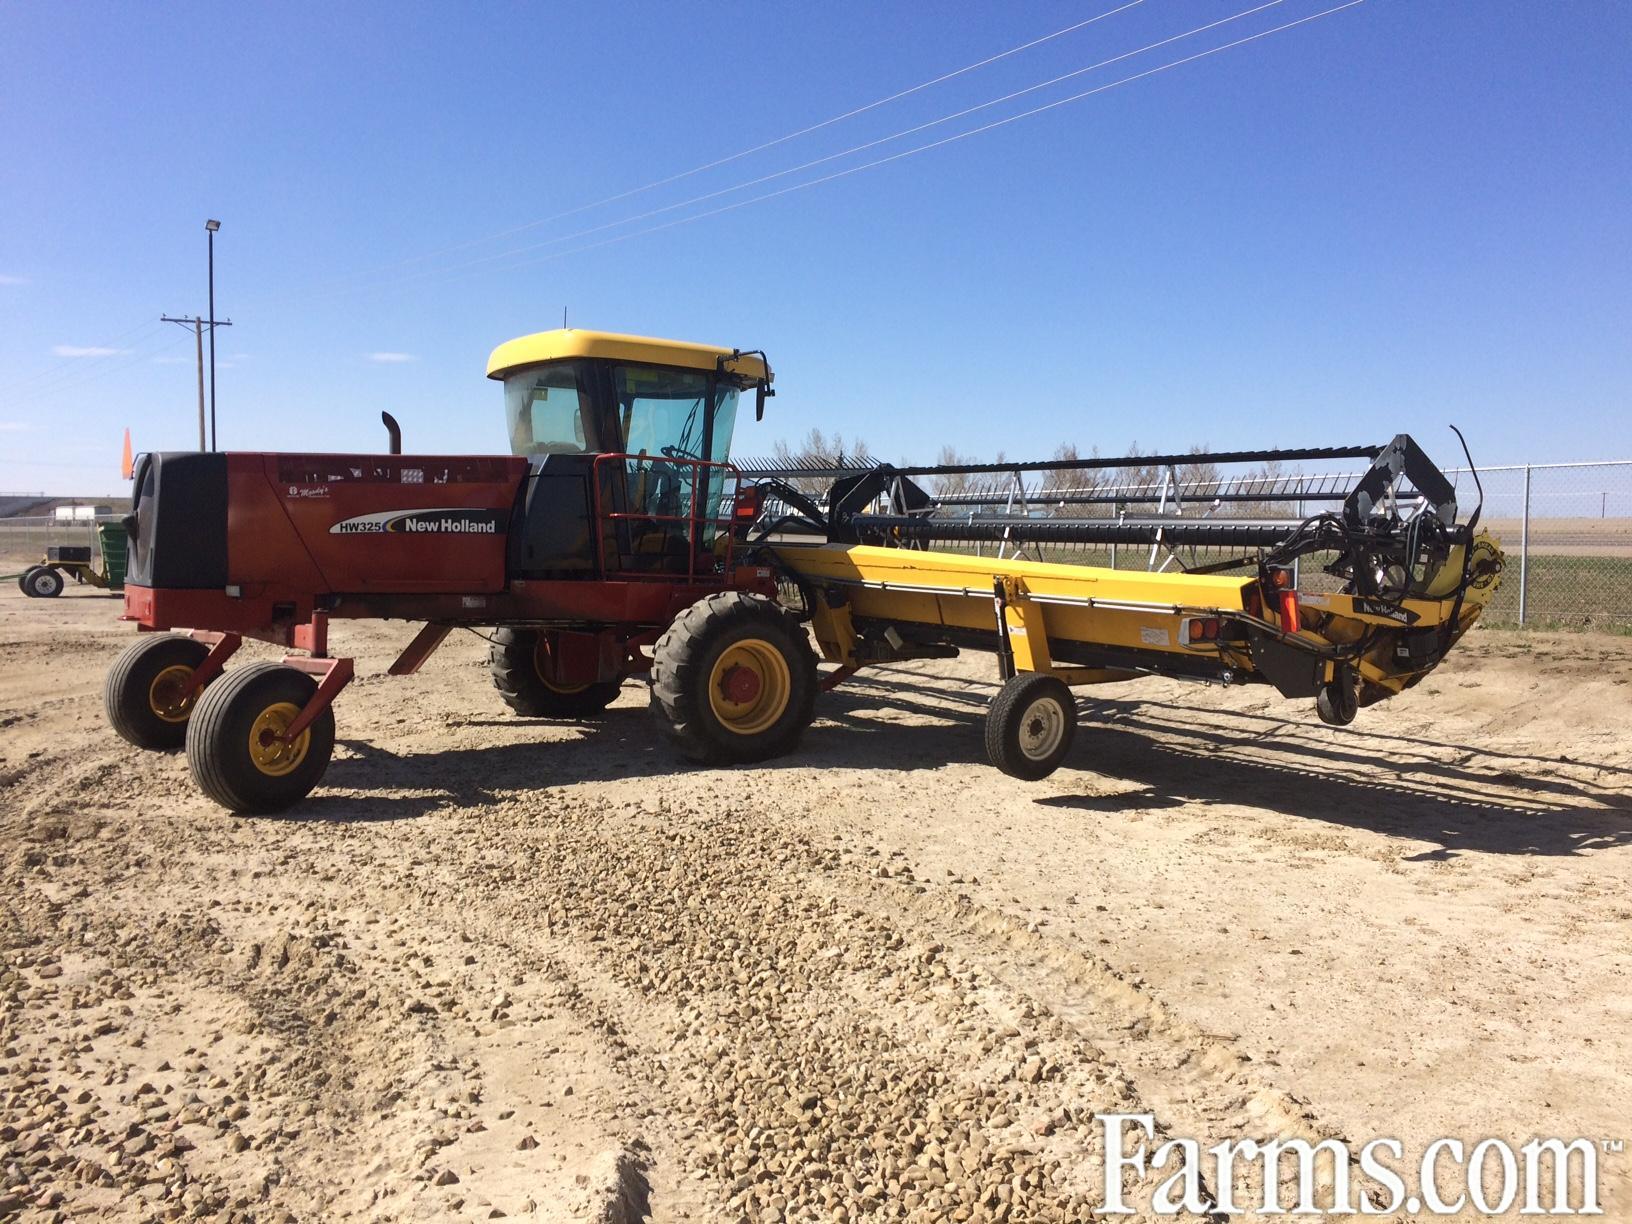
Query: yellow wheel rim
{"type": "Point", "coordinates": [170, 695]}
{"type": "Point", "coordinates": [749, 687]}
{"type": "Point", "coordinates": [544, 665]}
{"type": "Point", "coordinates": [270, 754]}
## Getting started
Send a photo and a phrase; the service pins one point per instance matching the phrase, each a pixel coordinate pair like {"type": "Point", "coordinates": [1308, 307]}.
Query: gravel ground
{"type": "Point", "coordinates": [500, 966]}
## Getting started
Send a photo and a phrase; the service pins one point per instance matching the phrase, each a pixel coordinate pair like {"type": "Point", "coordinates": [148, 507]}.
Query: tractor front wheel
{"type": "Point", "coordinates": [149, 693]}
{"type": "Point", "coordinates": [1030, 725]}
{"type": "Point", "coordinates": [734, 679]}
{"type": "Point", "coordinates": [236, 746]}
{"type": "Point", "coordinates": [43, 582]}
{"type": "Point", "coordinates": [521, 665]}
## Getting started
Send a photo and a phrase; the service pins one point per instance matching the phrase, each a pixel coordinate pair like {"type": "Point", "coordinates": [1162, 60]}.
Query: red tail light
{"type": "Point", "coordinates": [748, 505]}
{"type": "Point", "coordinates": [1200, 629]}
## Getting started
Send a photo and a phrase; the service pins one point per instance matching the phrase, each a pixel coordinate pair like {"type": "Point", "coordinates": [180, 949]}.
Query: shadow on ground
{"type": "Point", "coordinates": [1458, 797]}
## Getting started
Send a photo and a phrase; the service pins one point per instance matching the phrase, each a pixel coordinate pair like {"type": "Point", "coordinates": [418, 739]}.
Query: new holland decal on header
{"type": "Point", "coordinates": [451, 521]}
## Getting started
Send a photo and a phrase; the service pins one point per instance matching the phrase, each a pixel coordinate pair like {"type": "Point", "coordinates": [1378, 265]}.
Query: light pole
{"type": "Point", "coordinates": [212, 226]}
{"type": "Point", "coordinates": [198, 325]}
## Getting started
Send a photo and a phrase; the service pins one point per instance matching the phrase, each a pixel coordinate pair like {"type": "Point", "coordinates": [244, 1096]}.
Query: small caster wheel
{"type": "Point", "coordinates": [149, 693]}
{"type": "Point", "coordinates": [1338, 702]}
{"type": "Point", "coordinates": [1029, 729]}
{"type": "Point", "coordinates": [235, 747]}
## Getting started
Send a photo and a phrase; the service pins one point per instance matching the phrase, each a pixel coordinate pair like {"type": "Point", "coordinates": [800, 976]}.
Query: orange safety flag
{"type": "Point", "coordinates": [126, 466]}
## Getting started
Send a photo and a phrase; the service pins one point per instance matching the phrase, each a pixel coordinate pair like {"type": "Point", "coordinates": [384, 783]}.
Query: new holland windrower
{"type": "Point", "coordinates": [616, 542]}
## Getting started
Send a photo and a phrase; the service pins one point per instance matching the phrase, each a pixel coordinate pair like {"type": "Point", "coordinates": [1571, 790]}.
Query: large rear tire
{"type": "Point", "coordinates": [148, 694]}
{"type": "Point", "coordinates": [1030, 726]}
{"type": "Point", "coordinates": [734, 679]}
{"type": "Point", "coordinates": [43, 582]}
{"type": "Point", "coordinates": [22, 578]}
{"type": "Point", "coordinates": [519, 662]}
{"type": "Point", "coordinates": [233, 747]}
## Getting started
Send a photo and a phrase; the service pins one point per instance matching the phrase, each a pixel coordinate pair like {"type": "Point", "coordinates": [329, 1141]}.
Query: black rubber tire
{"type": "Point", "coordinates": [1016, 718]}
{"type": "Point", "coordinates": [127, 693]}
{"type": "Point", "coordinates": [512, 661]}
{"type": "Point", "coordinates": [218, 751]}
{"type": "Point", "coordinates": [683, 662]}
{"type": "Point", "coordinates": [22, 579]}
{"type": "Point", "coordinates": [1338, 702]}
{"type": "Point", "coordinates": [43, 582]}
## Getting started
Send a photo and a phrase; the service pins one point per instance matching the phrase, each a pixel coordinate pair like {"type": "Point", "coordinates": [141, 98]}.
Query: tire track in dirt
{"type": "Point", "coordinates": [343, 1078]}
{"type": "Point", "coordinates": [1198, 1085]}
{"type": "Point", "coordinates": [789, 1049]}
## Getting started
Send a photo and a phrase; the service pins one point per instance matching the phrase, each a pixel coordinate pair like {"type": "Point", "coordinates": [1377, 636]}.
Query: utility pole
{"type": "Point", "coordinates": [197, 324]}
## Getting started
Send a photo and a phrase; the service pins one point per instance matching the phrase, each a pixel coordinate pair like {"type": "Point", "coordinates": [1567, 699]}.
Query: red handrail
{"type": "Point", "coordinates": [696, 519]}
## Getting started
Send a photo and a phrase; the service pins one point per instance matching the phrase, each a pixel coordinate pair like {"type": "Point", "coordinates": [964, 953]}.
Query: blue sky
{"type": "Point", "coordinates": [1407, 213]}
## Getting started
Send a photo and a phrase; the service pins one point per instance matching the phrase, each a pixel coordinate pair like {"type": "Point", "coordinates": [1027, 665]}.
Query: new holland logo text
{"type": "Point", "coordinates": [423, 522]}
{"type": "Point", "coordinates": [1376, 607]}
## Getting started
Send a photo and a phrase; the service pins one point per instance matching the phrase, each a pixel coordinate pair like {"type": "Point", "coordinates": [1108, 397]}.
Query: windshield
{"type": "Point", "coordinates": [664, 412]}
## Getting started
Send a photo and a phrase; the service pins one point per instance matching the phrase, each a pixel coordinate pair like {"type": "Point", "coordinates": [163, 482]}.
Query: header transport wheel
{"type": "Point", "coordinates": [734, 679]}
{"type": "Point", "coordinates": [1338, 702]}
{"type": "Point", "coordinates": [148, 694]}
{"type": "Point", "coordinates": [235, 747]}
{"type": "Point", "coordinates": [520, 663]}
{"type": "Point", "coordinates": [1030, 726]}
{"type": "Point", "coordinates": [43, 582]}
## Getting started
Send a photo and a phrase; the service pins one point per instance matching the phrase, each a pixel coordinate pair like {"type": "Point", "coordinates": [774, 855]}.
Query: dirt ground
{"type": "Point", "coordinates": [500, 967]}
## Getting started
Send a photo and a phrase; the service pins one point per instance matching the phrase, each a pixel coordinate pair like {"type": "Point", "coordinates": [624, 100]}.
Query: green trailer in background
{"type": "Point", "coordinates": [47, 579]}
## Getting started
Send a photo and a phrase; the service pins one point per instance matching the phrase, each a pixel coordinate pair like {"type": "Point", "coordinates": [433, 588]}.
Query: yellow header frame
{"type": "Point", "coordinates": [568, 342]}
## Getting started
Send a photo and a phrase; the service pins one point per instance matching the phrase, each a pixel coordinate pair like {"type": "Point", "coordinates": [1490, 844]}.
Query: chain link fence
{"type": "Point", "coordinates": [23, 540]}
{"type": "Point", "coordinates": [1567, 531]}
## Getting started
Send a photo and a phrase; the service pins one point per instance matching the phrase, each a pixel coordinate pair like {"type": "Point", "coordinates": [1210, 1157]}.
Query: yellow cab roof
{"type": "Point", "coordinates": [567, 342]}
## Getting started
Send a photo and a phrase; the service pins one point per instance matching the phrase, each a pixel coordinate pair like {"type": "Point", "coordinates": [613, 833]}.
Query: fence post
{"type": "Point", "coordinates": [1524, 549]}
{"type": "Point", "coordinates": [1297, 572]}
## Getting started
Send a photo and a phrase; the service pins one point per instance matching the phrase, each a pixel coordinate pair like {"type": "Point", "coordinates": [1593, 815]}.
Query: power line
{"type": "Point", "coordinates": [759, 148]}
{"type": "Point", "coordinates": [75, 370]}
{"type": "Point", "coordinates": [63, 364]}
{"type": "Point", "coordinates": [871, 144]}
{"type": "Point", "coordinates": [935, 144]}
{"type": "Point", "coordinates": [98, 373]}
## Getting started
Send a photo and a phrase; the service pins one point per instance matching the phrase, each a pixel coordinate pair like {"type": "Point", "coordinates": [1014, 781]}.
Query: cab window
{"type": "Point", "coordinates": [546, 408]}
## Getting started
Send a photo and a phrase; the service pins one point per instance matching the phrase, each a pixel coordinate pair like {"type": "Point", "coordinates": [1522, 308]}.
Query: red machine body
{"type": "Point", "coordinates": [306, 537]}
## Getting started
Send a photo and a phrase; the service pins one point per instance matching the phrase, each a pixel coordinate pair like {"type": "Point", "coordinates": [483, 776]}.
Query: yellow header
{"type": "Point", "coordinates": [566, 342]}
